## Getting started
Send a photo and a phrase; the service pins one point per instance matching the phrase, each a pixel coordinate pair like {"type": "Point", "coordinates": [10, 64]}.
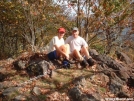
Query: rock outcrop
{"type": "Point", "coordinates": [111, 74]}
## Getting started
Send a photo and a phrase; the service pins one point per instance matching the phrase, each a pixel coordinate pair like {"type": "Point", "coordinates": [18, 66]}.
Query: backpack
{"type": "Point", "coordinates": [65, 64]}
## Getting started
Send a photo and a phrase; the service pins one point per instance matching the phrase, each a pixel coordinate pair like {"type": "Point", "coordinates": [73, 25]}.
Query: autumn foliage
{"type": "Point", "coordinates": [107, 25]}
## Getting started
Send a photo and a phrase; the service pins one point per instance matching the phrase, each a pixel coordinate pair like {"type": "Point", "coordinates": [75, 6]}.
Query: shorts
{"type": "Point", "coordinates": [52, 55]}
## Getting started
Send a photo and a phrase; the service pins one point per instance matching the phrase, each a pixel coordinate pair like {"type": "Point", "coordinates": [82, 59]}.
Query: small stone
{"type": "Point", "coordinates": [20, 98]}
{"type": "Point", "coordinates": [36, 91]}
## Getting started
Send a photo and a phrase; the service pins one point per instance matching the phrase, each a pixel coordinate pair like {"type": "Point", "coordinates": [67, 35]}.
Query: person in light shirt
{"type": "Point", "coordinates": [79, 48]}
{"type": "Point", "coordinates": [57, 46]}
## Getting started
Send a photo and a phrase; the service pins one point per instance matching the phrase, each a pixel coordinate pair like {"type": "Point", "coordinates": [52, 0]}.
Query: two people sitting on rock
{"type": "Point", "coordinates": [74, 47]}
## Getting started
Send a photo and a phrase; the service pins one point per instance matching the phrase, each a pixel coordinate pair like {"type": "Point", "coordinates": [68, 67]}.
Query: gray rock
{"type": "Point", "coordinates": [10, 60]}
{"type": "Point", "coordinates": [36, 91]}
{"type": "Point", "coordinates": [44, 65]}
{"type": "Point", "coordinates": [130, 82]}
{"type": "Point", "coordinates": [80, 81]}
{"type": "Point", "coordinates": [88, 97]}
{"type": "Point", "coordinates": [20, 64]}
{"type": "Point", "coordinates": [115, 87]}
{"type": "Point", "coordinates": [123, 57]}
{"type": "Point", "coordinates": [93, 53]}
{"type": "Point", "coordinates": [2, 69]}
{"type": "Point", "coordinates": [2, 77]}
{"type": "Point", "coordinates": [101, 78]}
{"type": "Point", "coordinates": [10, 92]}
{"type": "Point", "coordinates": [122, 95]}
{"type": "Point", "coordinates": [75, 93]}
{"type": "Point", "coordinates": [40, 68]}
{"type": "Point", "coordinates": [20, 98]}
{"type": "Point", "coordinates": [122, 71]}
{"type": "Point", "coordinates": [1, 86]}
{"type": "Point", "coordinates": [6, 84]}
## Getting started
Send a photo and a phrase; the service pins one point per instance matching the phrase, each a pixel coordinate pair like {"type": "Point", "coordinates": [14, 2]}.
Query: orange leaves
{"type": "Point", "coordinates": [45, 91]}
{"type": "Point", "coordinates": [56, 96]}
{"type": "Point", "coordinates": [59, 85]}
{"type": "Point", "coordinates": [111, 20]}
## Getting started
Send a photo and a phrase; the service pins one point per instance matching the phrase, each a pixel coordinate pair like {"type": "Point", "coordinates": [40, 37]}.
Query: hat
{"type": "Point", "coordinates": [61, 30]}
{"type": "Point", "coordinates": [75, 28]}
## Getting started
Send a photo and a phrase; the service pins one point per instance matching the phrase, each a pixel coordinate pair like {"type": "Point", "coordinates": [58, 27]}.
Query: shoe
{"type": "Point", "coordinates": [90, 61]}
{"type": "Point", "coordinates": [84, 63]}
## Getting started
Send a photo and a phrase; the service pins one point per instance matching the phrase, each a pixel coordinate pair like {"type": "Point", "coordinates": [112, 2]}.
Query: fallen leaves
{"type": "Point", "coordinates": [56, 96]}
{"type": "Point", "coordinates": [45, 91]}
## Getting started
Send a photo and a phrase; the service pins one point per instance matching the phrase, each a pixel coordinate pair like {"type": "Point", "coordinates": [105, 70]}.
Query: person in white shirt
{"type": "Point", "coordinates": [57, 46]}
{"type": "Point", "coordinates": [79, 48]}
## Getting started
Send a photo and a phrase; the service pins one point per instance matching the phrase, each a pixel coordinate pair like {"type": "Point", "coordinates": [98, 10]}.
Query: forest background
{"type": "Point", "coordinates": [28, 25]}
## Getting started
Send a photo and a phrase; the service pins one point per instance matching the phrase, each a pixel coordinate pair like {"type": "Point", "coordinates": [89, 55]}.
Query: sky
{"type": "Point", "coordinates": [72, 11]}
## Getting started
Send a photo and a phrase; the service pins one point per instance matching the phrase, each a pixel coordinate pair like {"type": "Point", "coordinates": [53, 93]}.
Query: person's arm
{"type": "Point", "coordinates": [84, 43]}
{"type": "Point", "coordinates": [67, 40]}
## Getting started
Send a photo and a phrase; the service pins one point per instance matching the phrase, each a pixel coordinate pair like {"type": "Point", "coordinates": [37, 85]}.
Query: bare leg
{"type": "Point", "coordinates": [79, 57]}
{"type": "Point", "coordinates": [64, 48]}
{"type": "Point", "coordinates": [76, 54]}
{"type": "Point", "coordinates": [84, 51]}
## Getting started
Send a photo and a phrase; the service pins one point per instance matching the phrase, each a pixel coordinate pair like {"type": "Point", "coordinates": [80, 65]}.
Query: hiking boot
{"type": "Point", "coordinates": [90, 61]}
{"type": "Point", "coordinates": [84, 63]}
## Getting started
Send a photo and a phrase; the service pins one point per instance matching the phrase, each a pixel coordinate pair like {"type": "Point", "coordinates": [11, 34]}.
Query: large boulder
{"type": "Point", "coordinates": [93, 53]}
{"type": "Point", "coordinates": [40, 68]}
{"type": "Point", "coordinates": [76, 95]}
{"type": "Point", "coordinates": [123, 57]}
{"type": "Point", "coordinates": [2, 77]}
{"type": "Point", "coordinates": [80, 81]}
{"type": "Point", "coordinates": [20, 64]}
{"type": "Point", "coordinates": [106, 63]}
{"type": "Point", "coordinates": [9, 92]}
{"type": "Point", "coordinates": [20, 98]}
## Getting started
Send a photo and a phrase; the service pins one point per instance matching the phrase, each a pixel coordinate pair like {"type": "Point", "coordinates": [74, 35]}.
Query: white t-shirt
{"type": "Point", "coordinates": [76, 43]}
{"type": "Point", "coordinates": [55, 41]}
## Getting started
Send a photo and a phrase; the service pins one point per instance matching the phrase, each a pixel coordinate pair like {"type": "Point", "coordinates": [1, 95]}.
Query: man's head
{"type": "Point", "coordinates": [75, 32]}
{"type": "Point", "coordinates": [61, 32]}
